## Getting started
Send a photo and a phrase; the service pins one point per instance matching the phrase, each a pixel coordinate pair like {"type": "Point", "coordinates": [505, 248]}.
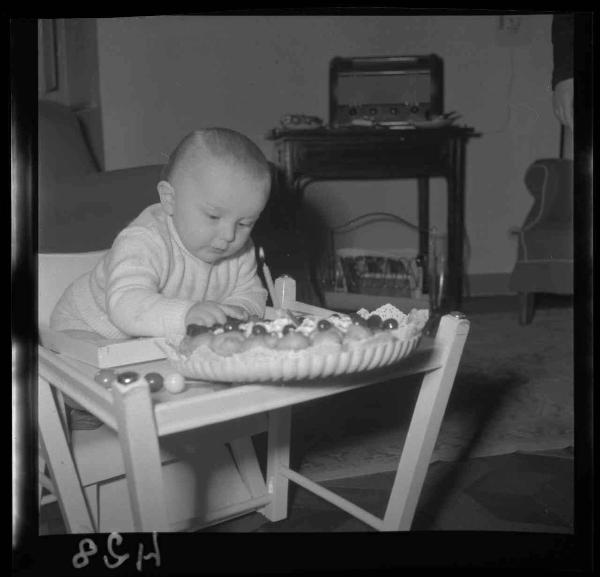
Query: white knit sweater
{"type": "Point", "coordinates": [147, 282]}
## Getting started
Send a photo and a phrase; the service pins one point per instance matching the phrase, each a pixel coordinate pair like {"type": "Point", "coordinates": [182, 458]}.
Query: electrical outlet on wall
{"type": "Point", "coordinates": [513, 30]}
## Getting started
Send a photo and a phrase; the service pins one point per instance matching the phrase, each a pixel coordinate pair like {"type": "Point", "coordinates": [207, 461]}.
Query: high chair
{"type": "Point", "coordinates": [144, 473]}
{"type": "Point", "coordinates": [84, 469]}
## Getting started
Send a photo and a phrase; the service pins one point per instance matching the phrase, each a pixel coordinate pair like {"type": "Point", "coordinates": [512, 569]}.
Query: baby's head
{"type": "Point", "coordinates": [215, 186]}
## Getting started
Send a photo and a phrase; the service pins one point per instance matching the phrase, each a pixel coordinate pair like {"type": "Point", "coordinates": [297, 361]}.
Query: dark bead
{"type": "Point", "coordinates": [193, 330]}
{"type": "Point", "coordinates": [390, 324]}
{"type": "Point", "coordinates": [288, 328]}
{"type": "Point", "coordinates": [323, 325]}
{"type": "Point", "coordinates": [232, 325]}
{"type": "Point", "coordinates": [358, 320]}
{"type": "Point", "coordinates": [259, 330]}
{"type": "Point", "coordinates": [105, 377]}
{"type": "Point", "coordinates": [155, 380]}
{"type": "Point", "coordinates": [127, 377]}
{"type": "Point", "coordinates": [374, 322]}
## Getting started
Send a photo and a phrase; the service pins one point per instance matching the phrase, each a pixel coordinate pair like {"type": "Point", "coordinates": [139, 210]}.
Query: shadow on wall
{"type": "Point", "coordinates": [293, 237]}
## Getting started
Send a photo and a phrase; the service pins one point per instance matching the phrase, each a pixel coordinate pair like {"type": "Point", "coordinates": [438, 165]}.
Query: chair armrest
{"type": "Point", "coordinates": [86, 212]}
{"type": "Point", "coordinates": [550, 182]}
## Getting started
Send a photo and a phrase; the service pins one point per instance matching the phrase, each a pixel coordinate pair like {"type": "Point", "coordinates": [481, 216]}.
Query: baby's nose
{"type": "Point", "coordinates": [227, 232]}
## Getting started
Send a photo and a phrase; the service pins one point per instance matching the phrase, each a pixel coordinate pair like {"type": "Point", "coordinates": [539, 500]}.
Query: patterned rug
{"type": "Point", "coordinates": [513, 392]}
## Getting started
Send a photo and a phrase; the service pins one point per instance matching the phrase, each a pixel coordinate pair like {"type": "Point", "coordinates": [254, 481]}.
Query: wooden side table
{"type": "Point", "coordinates": [306, 156]}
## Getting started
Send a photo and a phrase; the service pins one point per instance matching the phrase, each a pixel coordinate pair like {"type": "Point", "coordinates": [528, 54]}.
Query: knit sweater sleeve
{"type": "Point", "coordinates": [135, 271]}
{"type": "Point", "coordinates": [562, 47]}
{"type": "Point", "coordinates": [247, 291]}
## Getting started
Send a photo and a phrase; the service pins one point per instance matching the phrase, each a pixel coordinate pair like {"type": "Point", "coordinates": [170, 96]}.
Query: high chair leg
{"type": "Point", "coordinates": [424, 427]}
{"type": "Point", "coordinates": [278, 456]}
{"type": "Point", "coordinates": [70, 495]}
{"type": "Point", "coordinates": [245, 459]}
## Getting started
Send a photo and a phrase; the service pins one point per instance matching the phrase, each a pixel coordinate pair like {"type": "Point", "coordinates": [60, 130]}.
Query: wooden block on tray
{"type": "Point", "coordinates": [100, 352]}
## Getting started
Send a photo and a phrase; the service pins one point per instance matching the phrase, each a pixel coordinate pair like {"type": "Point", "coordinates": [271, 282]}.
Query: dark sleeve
{"type": "Point", "coordinates": [562, 47]}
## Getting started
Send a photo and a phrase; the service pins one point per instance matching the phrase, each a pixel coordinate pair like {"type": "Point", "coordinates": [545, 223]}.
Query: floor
{"type": "Point", "coordinates": [530, 492]}
{"type": "Point", "coordinates": [517, 492]}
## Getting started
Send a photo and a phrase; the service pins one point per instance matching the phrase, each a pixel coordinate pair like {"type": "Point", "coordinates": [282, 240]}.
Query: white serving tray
{"type": "Point", "coordinates": [262, 365]}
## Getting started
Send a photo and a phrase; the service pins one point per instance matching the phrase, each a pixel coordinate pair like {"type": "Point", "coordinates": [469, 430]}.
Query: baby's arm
{"type": "Point", "coordinates": [248, 292]}
{"type": "Point", "coordinates": [135, 270]}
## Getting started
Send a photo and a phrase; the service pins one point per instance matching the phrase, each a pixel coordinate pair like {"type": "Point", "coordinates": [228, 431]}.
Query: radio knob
{"type": "Point", "coordinates": [394, 110]}
{"type": "Point", "coordinates": [372, 111]}
{"type": "Point", "coordinates": [352, 111]}
{"type": "Point", "coordinates": [414, 109]}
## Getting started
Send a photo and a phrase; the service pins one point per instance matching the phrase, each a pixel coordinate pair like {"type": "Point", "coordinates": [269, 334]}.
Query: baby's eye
{"type": "Point", "coordinates": [213, 217]}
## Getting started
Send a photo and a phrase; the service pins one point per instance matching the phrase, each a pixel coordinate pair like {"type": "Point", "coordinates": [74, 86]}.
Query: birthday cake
{"type": "Point", "coordinates": [295, 346]}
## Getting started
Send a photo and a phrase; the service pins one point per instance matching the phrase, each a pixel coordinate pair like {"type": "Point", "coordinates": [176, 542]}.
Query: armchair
{"type": "Point", "coordinates": [545, 241]}
{"type": "Point", "coordinates": [80, 207]}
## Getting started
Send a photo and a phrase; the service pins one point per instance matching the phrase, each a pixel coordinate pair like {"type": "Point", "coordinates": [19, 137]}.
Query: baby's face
{"type": "Point", "coordinates": [216, 206]}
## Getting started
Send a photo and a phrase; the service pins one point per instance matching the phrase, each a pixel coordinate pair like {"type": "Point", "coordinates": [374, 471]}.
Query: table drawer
{"type": "Point", "coordinates": [369, 160]}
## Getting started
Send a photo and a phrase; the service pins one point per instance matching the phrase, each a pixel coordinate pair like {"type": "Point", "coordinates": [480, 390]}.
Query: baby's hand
{"type": "Point", "coordinates": [235, 312]}
{"type": "Point", "coordinates": [206, 313]}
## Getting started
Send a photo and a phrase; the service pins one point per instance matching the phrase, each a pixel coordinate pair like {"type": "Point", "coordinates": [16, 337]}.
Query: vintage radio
{"type": "Point", "coordinates": [385, 90]}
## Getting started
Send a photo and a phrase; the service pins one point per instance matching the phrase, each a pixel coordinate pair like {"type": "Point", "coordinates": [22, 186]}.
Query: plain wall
{"type": "Point", "coordinates": [162, 76]}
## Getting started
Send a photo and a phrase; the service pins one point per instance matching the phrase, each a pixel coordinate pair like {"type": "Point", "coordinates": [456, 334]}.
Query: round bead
{"type": "Point", "coordinates": [374, 322]}
{"type": "Point", "coordinates": [323, 325]}
{"type": "Point", "coordinates": [127, 377]}
{"type": "Point", "coordinates": [155, 380]}
{"type": "Point", "coordinates": [105, 377]}
{"type": "Point", "coordinates": [288, 328]}
{"type": "Point", "coordinates": [231, 325]}
{"type": "Point", "coordinates": [458, 315]}
{"type": "Point", "coordinates": [192, 330]}
{"type": "Point", "coordinates": [259, 330]}
{"type": "Point", "coordinates": [358, 320]}
{"type": "Point", "coordinates": [174, 383]}
{"type": "Point", "coordinates": [390, 324]}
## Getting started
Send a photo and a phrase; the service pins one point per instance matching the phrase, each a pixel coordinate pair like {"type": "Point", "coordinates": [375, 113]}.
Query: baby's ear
{"type": "Point", "coordinates": [167, 196]}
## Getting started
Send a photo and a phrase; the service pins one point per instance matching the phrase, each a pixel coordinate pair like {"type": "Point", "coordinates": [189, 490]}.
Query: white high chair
{"type": "Point", "coordinates": [52, 281]}
{"type": "Point", "coordinates": [127, 467]}
{"type": "Point", "coordinates": [84, 470]}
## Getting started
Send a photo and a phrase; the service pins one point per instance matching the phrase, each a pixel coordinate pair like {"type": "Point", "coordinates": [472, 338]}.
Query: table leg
{"type": "Point", "coordinates": [315, 292]}
{"type": "Point", "coordinates": [455, 216]}
{"type": "Point", "coordinates": [423, 189]}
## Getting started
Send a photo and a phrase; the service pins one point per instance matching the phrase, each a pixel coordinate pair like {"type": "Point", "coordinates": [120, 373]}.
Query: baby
{"type": "Point", "coordinates": [188, 259]}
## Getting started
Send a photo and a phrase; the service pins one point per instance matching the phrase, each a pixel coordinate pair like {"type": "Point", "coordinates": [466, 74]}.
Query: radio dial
{"type": "Point", "coordinates": [352, 111]}
{"type": "Point", "coordinates": [372, 111]}
{"type": "Point", "coordinates": [414, 109]}
{"type": "Point", "coordinates": [394, 110]}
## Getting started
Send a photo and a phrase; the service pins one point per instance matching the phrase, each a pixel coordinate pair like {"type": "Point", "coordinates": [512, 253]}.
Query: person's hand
{"type": "Point", "coordinates": [208, 313]}
{"type": "Point", "coordinates": [562, 100]}
{"type": "Point", "coordinates": [235, 312]}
